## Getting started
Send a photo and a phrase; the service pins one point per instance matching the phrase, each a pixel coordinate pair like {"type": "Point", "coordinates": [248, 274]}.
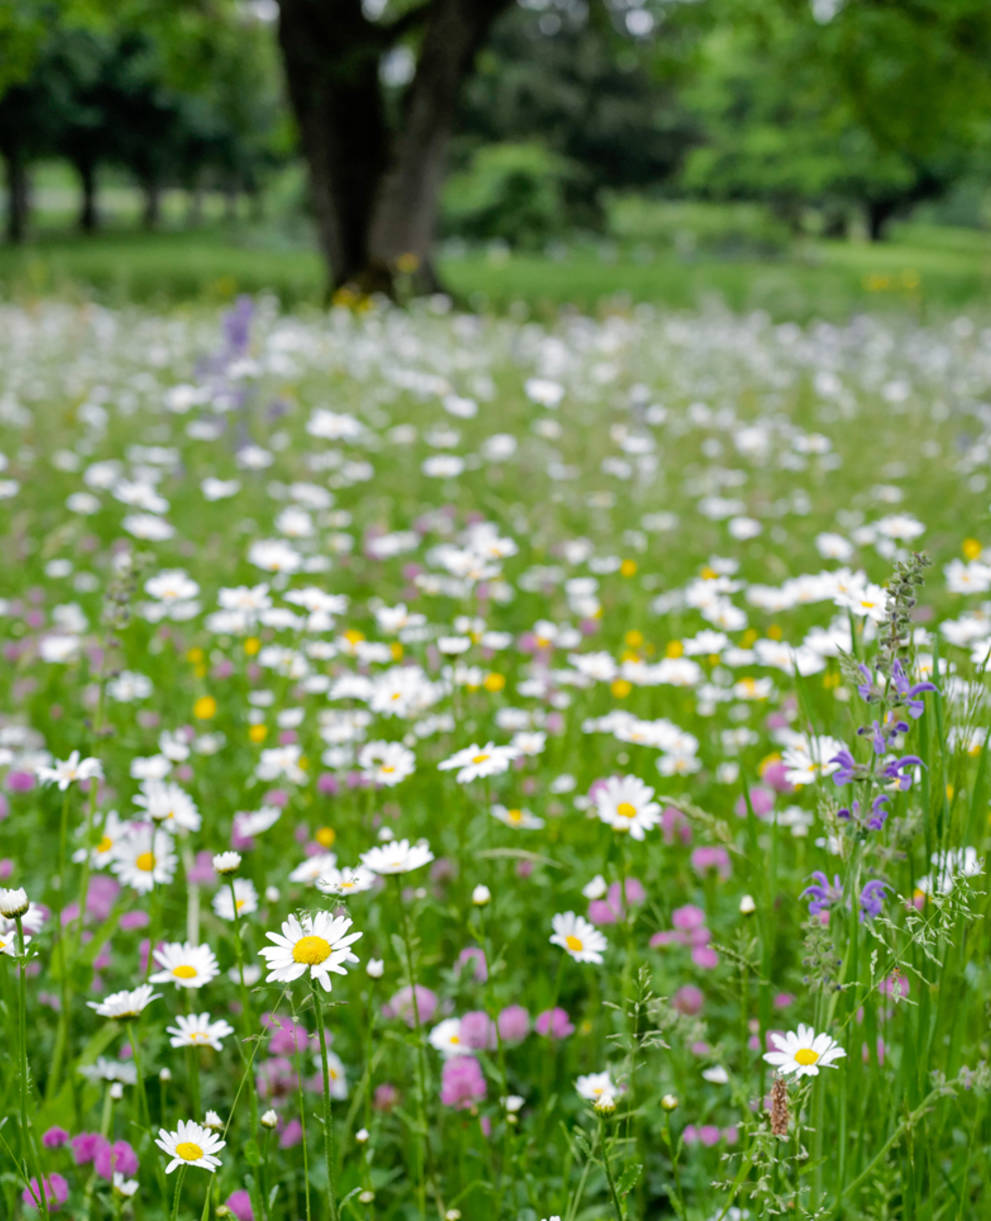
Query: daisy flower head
{"type": "Point", "coordinates": [242, 902]}
{"type": "Point", "coordinates": [70, 771]}
{"type": "Point", "coordinates": [169, 805]}
{"type": "Point", "coordinates": [477, 761]}
{"type": "Point", "coordinates": [625, 803]}
{"type": "Point", "coordinates": [803, 1052]}
{"type": "Point", "coordinates": [577, 937]}
{"type": "Point", "coordinates": [185, 965]}
{"type": "Point", "coordinates": [344, 882]}
{"type": "Point", "coordinates": [594, 1086]}
{"type": "Point", "coordinates": [320, 944]}
{"type": "Point", "coordinates": [313, 867]}
{"type": "Point", "coordinates": [225, 863]}
{"type": "Point", "coordinates": [190, 1145]}
{"type": "Point", "coordinates": [124, 1006]}
{"type": "Point", "coordinates": [198, 1030]}
{"type": "Point", "coordinates": [399, 856]}
{"type": "Point", "coordinates": [518, 819]}
{"type": "Point", "coordinates": [13, 903]}
{"type": "Point", "coordinates": [144, 858]}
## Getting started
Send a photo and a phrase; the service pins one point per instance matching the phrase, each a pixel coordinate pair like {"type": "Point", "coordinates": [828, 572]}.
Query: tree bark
{"type": "Point", "coordinates": [375, 193]}
{"type": "Point", "coordinates": [18, 196]}
{"type": "Point", "coordinates": [89, 219]}
{"type": "Point", "coordinates": [879, 213]}
{"type": "Point", "coordinates": [152, 214]}
{"type": "Point", "coordinates": [405, 216]}
{"type": "Point", "coordinates": [331, 54]}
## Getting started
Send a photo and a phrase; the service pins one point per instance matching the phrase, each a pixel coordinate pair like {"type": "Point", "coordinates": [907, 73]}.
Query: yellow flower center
{"type": "Point", "coordinates": [573, 943]}
{"type": "Point", "coordinates": [188, 1151]}
{"type": "Point", "coordinates": [198, 1036]}
{"type": "Point", "coordinates": [184, 972]}
{"type": "Point", "coordinates": [239, 903]}
{"type": "Point", "coordinates": [388, 768]}
{"type": "Point", "coordinates": [626, 810]}
{"type": "Point", "coordinates": [105, 844]}
{"type": "Point", "coordinates": [514, 815]}
{"type": "Point", "coordinates": [311, 950]}
{"type": "Point", "coordinates": [145, 862]}
{"type": "Point", "coordinates": [805, 1056]}
{"type": "Point", "coordinates": [479, 758]}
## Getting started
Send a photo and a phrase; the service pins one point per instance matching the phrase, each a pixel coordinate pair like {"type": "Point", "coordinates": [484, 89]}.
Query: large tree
{"type": "Point", "coordinates": [375, 176]}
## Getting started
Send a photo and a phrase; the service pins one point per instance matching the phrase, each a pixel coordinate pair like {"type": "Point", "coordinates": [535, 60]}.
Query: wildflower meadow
{"type": "Point", "coordinates": [461, 767]}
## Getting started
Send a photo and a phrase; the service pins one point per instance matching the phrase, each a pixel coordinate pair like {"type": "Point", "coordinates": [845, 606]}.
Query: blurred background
{"type": "Point", "coordinates": [804, 156]}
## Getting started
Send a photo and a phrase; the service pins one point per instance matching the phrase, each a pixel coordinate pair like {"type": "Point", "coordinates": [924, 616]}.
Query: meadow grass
{"type": "Point", "coordinates": [537, 655]}
{"type": "Point", "coordinates": [924, 269]}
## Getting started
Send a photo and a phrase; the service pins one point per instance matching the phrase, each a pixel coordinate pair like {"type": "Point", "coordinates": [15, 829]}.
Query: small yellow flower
{"type": "Point", "coordinates": [408, 263]}
{"type": "Point", "coordinates": [674, 648]}
{"type": "Point", "coordinates": [396, 649]}
{"type": "Point", "coordinates": [258, 733]}
{"type": "Point", "coordinates": [353, 636]}
{"type": "Point", "coordinates": [971, 549]}
{"type": "Point", "coordinates": [633, 638]}
{"type": "Point", "coordinates": [749, 637]}
{"type": "Point", "coordinates": [252, 645]}
{"type": "Point", "coordinates": [494, 682]}
{"type": "Point", "coordinates": [195, 656]}
{"type": "Point", "coordinates": [708, 574]}
{"type": "Point", "coordinates": [628, 568]}
{"type": "Point", "coordinates": [774, 632]}
{"type": "Point", "coordinates": [205, 708]}
{"type": "Point", "coordinates": [325, 836]}
{"type": "Point", "coordinates": [621, 688]}
{"type": "Point", "coordinates": [831, 679]}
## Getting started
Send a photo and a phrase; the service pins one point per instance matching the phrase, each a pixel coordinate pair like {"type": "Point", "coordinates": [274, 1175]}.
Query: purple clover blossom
{"type": "Point", "coordinates": [821, 894]}
{"type": "Point", "coordinates": [872, 899]}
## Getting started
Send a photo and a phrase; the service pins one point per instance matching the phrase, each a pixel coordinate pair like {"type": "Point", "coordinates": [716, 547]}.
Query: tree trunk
{"type": "Point", "coordinates": [18, 196]}
{"type": "Point", "coordinates": [89, 220]}
{"type": "Point", "coordinates": [331, 54]}
{"type": "Point", "coordinates": [405, 216]}
{"type": "Point", "coordinates": [879, 213]}
{"type": "Point", "coordinates": [375, 195]}
{"type": "Point", "coordinates": [152, 214]}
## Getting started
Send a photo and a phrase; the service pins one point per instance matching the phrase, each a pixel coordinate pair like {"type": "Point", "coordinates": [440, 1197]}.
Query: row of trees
{"type": "Point", "coordinates": [848, 105]}
{"type": "Point", "coordinates": [201, 114]}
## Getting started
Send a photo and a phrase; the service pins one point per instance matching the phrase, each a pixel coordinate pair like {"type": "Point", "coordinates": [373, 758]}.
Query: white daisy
{"type": "Point", "coordinates": [475, 761]}
{"type": "Point", "coordinates": [518, 819]}
{"type": "Point", "coordinates": [144, 858]}
{"type": "Point", "coordinates": [185, 965]}
{"type": "Point", "coordinates": [190, 1145]}
{"type": "Point", "coordinates": [244, 900]}
{"type": "Point", "coordinates": [399, 856]}
{"type": "Point", "coordinates": [198, 1030]}
{"type": "Point", "coordinates": [803, 1052]}
{"type": "Point", "coordinates": [577, 937]}
{"type": "Point", "coordinates": [319, 943]}
{"type": "Point", "coordinates": [313, 867]}
{"type": "Point", "coordinates": [446, 1038]}
{"type": "Point", "coordinates": [122, 1006]}
{"type": "Point", "coordinates": [70, 771]}
{"type": "Point", "coordinates": [345, 881]}
{"type": "Point", "coordinates": [168, 805]}
{"type": "Point", "coordinates": [625, 803]}
{"type": "Point", "coordinates": [593, 1086]}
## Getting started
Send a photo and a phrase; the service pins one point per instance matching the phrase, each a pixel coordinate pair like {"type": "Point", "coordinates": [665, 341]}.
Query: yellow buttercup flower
{"type": "Point", "coordinates": [621, 688]}
{"type": "Point", "coordinates": [258, 733]}
{"type": "Point", "coordinates": [494, 682]}
{"type": "Point", "coordinates": [325, 836]}
{"type": "Point", "coordinates": [205, 708]}
{"type": "Point", "coordinates": [628, 568]}
{"type": "Point", "coordinates": [252, 645]}
{"type": "Point", "coordinates": [971, 549]}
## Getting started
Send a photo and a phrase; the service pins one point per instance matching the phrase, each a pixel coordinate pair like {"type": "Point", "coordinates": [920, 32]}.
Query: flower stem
{"type": "Point", "coordinates": [423, 1144]}
{"type": "Point", "coordinates": [178, 1191]}
{"type": "Point", "coordinates": [328, 1116]}
{"type": "Point", "coordinates": [28, 1150]}
{"type": "Point", "coordinates": [617, 1207]}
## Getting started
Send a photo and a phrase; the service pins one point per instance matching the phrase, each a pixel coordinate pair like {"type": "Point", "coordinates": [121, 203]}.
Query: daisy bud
{"type": "Point", "coordinates": [213, 1120]}
{"type": "Point", "coordinates": [272, 894]}
{"type": "Point", "coordinates": [226, 863]}
{"type": "Point", "coordinates": [13, 903]}
{"type": "Point", "coordinates": [375, 967]}
{"type": "Point", "coordinates": [669, 1102]}
{"type": "Point", "coordinates": [481, 895]}
{"type": "Point", "coordinates": [453, 1214]}
{"type": "Point", "coordinates": [116, 1091]}
{"type": "Point", "coordinates": [747, 905]}
{"type": "Point", "coordinates": [224, 1211]}
{"type": "Point", "coordinates": [269, 1119]}
{"type": "Point", "coordinates": [596, 888]}
{"type": "Point", "coordinates": [366, 1197]}
{"type": "Point", "coordinates": [605, 1105]}
{"type": "Point", "coordinates": [362, 1135]}
{"type": "Point", "coordinates": [165, 1075]}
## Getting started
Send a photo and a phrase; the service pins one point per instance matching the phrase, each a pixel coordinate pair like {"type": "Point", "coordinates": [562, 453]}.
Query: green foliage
{"type": "Point", "coordinates": [516, 193]}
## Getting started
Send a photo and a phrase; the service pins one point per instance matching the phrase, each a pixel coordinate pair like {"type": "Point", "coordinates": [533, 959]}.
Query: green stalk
{"type": "Point", "coordinates": [328, 1117]}
{"type": "Point", "coordinates": [28, 1150]}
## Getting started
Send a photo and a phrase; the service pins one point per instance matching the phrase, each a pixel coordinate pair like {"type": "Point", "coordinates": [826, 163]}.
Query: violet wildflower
{"type": "Point", "coordinates": [462, 1082]}
{"type": "Point", "coordinates": [822, 894]}
{"type": "Point", "coordinates": [900, 770]}
{"type": "Point", "coordinates": [872, 899]}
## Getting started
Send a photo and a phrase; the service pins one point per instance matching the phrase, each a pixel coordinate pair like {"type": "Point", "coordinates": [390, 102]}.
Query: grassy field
{"type": "Point", "coordinates": [922, 269]}
{"type": "Point", "coordinates": [553, 664]}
